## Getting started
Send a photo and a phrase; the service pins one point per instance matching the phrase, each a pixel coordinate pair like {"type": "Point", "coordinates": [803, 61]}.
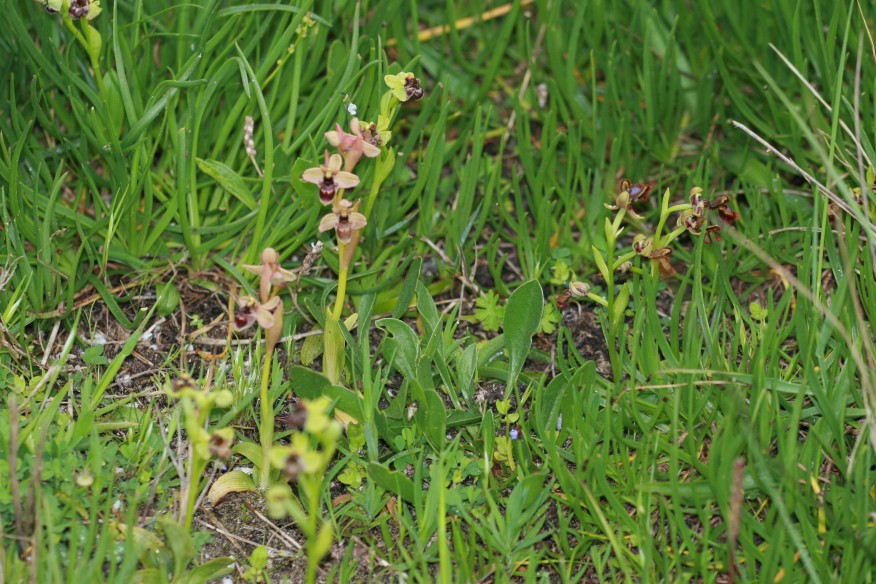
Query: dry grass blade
{"type": "Point", "coordinates": [834, 198]}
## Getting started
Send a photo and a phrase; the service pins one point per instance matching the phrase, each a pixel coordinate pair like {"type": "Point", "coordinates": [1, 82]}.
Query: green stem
{"type": "Point", "coordinates": [266, 430]}
{"type": "Point", "coordinates": [372, 197]}
{"type": "Point", "coordinates": [196, 469]}
{"type": "Point", "coordinates": [609, 285]}
{"type": "Point", "coordinates": [663, 217]}
{"type": "Point", "coordinates": [312, 488]}
{"type": "Point", "coordinates": [342, 288]}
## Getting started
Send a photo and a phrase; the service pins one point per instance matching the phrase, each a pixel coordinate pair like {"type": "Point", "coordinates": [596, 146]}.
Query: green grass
{"type": "Point", "coordinates": [717, 414]}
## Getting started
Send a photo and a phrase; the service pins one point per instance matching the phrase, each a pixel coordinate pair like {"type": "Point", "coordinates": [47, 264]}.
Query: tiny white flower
{"type": "Point", "coordinates": [352, 109]}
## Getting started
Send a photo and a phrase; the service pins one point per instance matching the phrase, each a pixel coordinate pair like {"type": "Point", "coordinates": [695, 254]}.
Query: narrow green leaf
{"type": "Point", "coordinates": [228, 180]}
{"type": "Point", "coordinates": [408, 287]}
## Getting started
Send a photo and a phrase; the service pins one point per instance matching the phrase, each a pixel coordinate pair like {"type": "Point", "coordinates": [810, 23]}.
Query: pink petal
{"type": "Point", "coordinates": [370, 150]}
{"type": "Point", "coordinates": [257, 270]}
{"type": "Point", "coordinates": [328, 222]}
{"type": "Point", "coordinates": [281, 276]}
{"type": "Point", "coordinates": [334, 137]}
{"type": "Point", "coordinates": [346, 180]}
{"type": "Point", "coordinates": [357, 220]}
{"type": "Point", "coordinates": [265, 318]}
{"type": "Point", "coordinates": [334, 163]}
{"type": "Point", "coordinates": [313, 175]}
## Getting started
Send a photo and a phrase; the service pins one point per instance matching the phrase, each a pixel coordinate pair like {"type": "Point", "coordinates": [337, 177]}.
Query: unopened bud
{"type": "Point", "coordinates": [270, 256]}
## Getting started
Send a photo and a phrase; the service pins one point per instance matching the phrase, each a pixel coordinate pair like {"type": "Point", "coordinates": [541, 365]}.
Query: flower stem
{"type": "Point", "coordinates": [196, 468]}
{"type": "Point", "coordinates": [266, 430]}
{"type": "Point", "coordinates": [342, 283]}
{"type": "Point", "coordinates": [313, 487]}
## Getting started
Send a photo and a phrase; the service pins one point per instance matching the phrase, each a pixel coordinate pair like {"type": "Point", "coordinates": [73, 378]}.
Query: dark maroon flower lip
{"type": "Point", "coordinates": [79, 9]}
{"type": "Point", "coordinates": [413, 89]}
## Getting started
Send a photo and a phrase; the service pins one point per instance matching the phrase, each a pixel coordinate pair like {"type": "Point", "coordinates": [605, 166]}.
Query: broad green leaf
{"type": "Point", "coordinates": [385, 164]}
{"type": "Point", "coordinates": [311, 349]}
{"type": "Point", "coordinates": [522, 316]}
{"type": "Point", "coordinates": [149, 576]}
{"type": "Point", "coordinates": [392, 480]}
{"type": "Point", "coordinates": [249, 450]}
{"type": "Point", "coordinates": [180, 544]}
{"type": "Point", "coordinates": [488, 435]}
{"type": "Point", "coordinates": [525, 495]}
{"type": "Point", "coordinates": [548, 403]}
{"type": "Point", "coordinates": [228, 180]}
{"type": "Point", "coordinates": [600, 263]}
{"type": "Point", "coordinates": [209, 571]}
{"type": "Point", "coordinates": [309, 384]}
{"type": "Point", "coordinates": [431, 416]}
{"type": "Point", "coordinates": [459, 418]}
{"type": "Point", "coordinates": [146, 543]}
{"type": "Point", "coordinates": [620, 305]}
{"type": "Point", "coordinates": [402, 347]}
{"type": "Point", "coordinates": [466, 372]}
{"type": "Point", "coordinates": [427, 309]}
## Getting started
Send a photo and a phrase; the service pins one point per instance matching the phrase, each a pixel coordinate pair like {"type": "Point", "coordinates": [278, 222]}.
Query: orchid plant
{"type": "Point", "coordinates": [267, 311]}
{"type": "Point", "coordinates": [692, 218]}
{"type": "Point", "coordinates": [305, 461]}
{"type": "Point", "coordinates": [335, 177]}
{"type": "Point", "coordinates": [204, 442]}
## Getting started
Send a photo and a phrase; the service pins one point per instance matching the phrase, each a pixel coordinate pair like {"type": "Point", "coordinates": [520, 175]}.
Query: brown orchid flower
{"type": "Point", "coordinates": [344, 219]}
{"type": "Point", "coordinates": [352, 146]}
{"type": "Point", "coordinates": [721, 205]}
{"type": "Point", "coordinates": [329, 178]}
{"type": "Point", "coordinates": [252, 311]}
{"type": "Point", "coordinates": [270, 273]}
{"type": "Point", "coordinates": [629, 193]}
{"type": "Point", "coordinates": [644, 246]}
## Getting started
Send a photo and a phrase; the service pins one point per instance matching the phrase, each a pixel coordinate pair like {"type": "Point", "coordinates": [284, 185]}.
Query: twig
{"type": "Point", "coordinates": [463, 23]}
{"type": "Point", "coordinates": [230, 535]}
{"type": "Point", "coordinates": [51, 343]}
{"type": "Point", "coordinates": [279, 532]}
